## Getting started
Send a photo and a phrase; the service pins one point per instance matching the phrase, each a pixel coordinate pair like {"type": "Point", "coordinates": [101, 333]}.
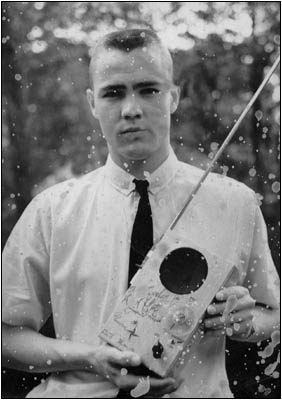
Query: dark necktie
{"type": "Point", "coordinates": [142, 232]}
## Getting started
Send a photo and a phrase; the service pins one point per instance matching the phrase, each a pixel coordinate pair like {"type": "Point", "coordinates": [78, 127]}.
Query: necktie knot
{"type": "Point", "coordinates": [141, 186]}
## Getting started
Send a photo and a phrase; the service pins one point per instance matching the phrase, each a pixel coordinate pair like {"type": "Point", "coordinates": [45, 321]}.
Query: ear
{"type": "Point", "coordinates": [174, 98]}
{"type": "Point", "coordinates": [90, 98]}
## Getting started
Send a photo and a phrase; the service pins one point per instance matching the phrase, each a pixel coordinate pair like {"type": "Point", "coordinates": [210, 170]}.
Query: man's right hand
{"type": "Point", "coordinates": [115, 365]}
{"type": "Point", "coordinates": [53, 355]}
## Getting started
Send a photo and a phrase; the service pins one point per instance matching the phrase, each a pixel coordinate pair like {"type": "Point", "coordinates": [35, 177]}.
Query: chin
{"type": "Point", "coordinates": [137, 154]}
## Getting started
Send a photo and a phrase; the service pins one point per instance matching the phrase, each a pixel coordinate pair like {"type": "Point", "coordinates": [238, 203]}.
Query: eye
{"type": "Point", "coordinates": [150, 91]}
{"type": "Point", "coordinates": [113, 94]}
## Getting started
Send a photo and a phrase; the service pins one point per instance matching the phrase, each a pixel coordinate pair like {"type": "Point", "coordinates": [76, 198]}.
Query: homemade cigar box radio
{"type": "Point", "coordinates": [159, 317]}
{"type": "Point", "coordinates": [160, 313]}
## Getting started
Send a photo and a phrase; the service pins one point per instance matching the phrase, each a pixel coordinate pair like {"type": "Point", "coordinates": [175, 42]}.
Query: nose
{"type": "Point", "coordinates": [131, 108]}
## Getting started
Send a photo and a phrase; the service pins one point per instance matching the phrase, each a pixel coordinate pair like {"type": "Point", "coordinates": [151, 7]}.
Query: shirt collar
{"type": "Point", "coordinates": [123, 181]}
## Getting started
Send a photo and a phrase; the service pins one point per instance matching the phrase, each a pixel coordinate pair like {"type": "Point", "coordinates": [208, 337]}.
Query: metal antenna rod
{"type": "Point", "coordinates": [226, 141]}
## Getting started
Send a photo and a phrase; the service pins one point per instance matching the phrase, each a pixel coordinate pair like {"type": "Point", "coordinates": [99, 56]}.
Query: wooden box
{"type": "Point", "coordinates": [160, 314]}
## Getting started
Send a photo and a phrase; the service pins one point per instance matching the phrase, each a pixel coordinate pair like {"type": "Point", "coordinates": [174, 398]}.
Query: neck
{"type": "Point", "coordinates": [141, 168]}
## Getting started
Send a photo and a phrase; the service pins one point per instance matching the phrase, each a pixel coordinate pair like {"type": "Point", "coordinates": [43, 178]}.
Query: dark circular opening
{"type": "Point", "coordinates": [183, 270]}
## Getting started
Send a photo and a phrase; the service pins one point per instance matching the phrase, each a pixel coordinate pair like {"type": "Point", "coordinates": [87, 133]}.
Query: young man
{"type": "Point", "coordinates": [69, 253]}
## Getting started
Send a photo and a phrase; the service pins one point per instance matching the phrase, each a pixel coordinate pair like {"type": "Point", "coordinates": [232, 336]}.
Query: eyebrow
{"type": "Point", "coordinates": [138, 85]}
{"type": "Point", "coordinates": [141, 85]}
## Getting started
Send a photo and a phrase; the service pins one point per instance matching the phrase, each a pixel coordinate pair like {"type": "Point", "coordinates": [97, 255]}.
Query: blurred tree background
{"type": "Point", "coordinates": [221, 52]}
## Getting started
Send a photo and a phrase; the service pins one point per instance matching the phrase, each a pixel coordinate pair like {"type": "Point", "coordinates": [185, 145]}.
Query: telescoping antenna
{"type": "Point", "coordinates": [225, 143]}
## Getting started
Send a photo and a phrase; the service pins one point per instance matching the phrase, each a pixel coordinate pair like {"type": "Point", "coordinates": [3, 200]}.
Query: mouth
{"type": "Point", "coordinates": [132, 129]}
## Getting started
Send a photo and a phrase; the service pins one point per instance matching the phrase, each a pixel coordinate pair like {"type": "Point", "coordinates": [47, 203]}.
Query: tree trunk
{"type": "Point", "coordinates": [15, 106]}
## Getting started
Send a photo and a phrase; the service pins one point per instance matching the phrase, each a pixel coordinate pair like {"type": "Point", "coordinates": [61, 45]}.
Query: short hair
{"type": "Point", "coordinates": [130, 39]}
{"type": "Point", "coordinates": [127, 40]}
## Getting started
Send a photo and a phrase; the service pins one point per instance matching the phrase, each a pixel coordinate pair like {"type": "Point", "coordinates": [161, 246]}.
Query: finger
{"type": "Point", "coordinates": [158, 394]}
{"type": "Point", "coordinates": [158, 384]}
{"type": "Point", "coordinates": [241, 329]}
{"type": "Point", "coordinates": [169, 389]}
{"type": "Point", "coordinates": [216, 323]}
{"type": "Point", "coordinates": [159, 389]}
{"type": "Point", "coordinates": [220, 321]}
{"type": "Point", "coordinates": [245, 303]}
{"type": "Point", "coordinates": [124, 358]}
{"type": "Point", "coordinates": [225, 306]}
{"type": "Point", "coordinates": [130, 382]}
{"type": "Point", "coordinates": [238, 291]}
{"type": "Point", "coordinates": [237, 326]}
{"type": "Point", "coordinates": [215, 333]}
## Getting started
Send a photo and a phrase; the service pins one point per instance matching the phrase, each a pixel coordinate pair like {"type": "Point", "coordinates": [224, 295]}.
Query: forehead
{"type": "Point", "coordinates": [141, 64]}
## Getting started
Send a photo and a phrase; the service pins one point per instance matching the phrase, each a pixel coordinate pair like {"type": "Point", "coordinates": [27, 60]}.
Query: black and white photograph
{"type": "Point", "coordinates": [140, 199]}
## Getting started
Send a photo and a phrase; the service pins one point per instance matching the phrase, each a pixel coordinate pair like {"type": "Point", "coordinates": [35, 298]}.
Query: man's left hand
{"type": "Point", "coordinates": [231, 314]}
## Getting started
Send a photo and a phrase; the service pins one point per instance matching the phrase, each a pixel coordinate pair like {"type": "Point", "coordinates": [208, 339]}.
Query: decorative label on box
{"type": "Point", "coordinates": [160, 314]}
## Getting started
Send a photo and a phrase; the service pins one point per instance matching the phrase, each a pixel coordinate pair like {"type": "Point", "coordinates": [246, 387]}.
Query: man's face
{"type": "Point", "coordinates": [133, 98]}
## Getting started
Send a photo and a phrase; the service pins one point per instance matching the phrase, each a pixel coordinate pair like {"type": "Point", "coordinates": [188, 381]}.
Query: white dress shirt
{"type": "Point", "coordinates": [71, 247]}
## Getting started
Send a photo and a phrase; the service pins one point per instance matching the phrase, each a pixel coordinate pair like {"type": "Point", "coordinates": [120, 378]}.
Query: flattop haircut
{"type": "Point", "coordinates": [130, 39]}
{"type": "Point", "coordinates": [126, 41]}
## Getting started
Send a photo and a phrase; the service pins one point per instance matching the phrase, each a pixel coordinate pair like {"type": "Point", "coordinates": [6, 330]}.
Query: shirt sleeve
{"type": "Point", "coordinates": [25, 268]}
{"type": "Point", "coordinates": [262, 278]}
